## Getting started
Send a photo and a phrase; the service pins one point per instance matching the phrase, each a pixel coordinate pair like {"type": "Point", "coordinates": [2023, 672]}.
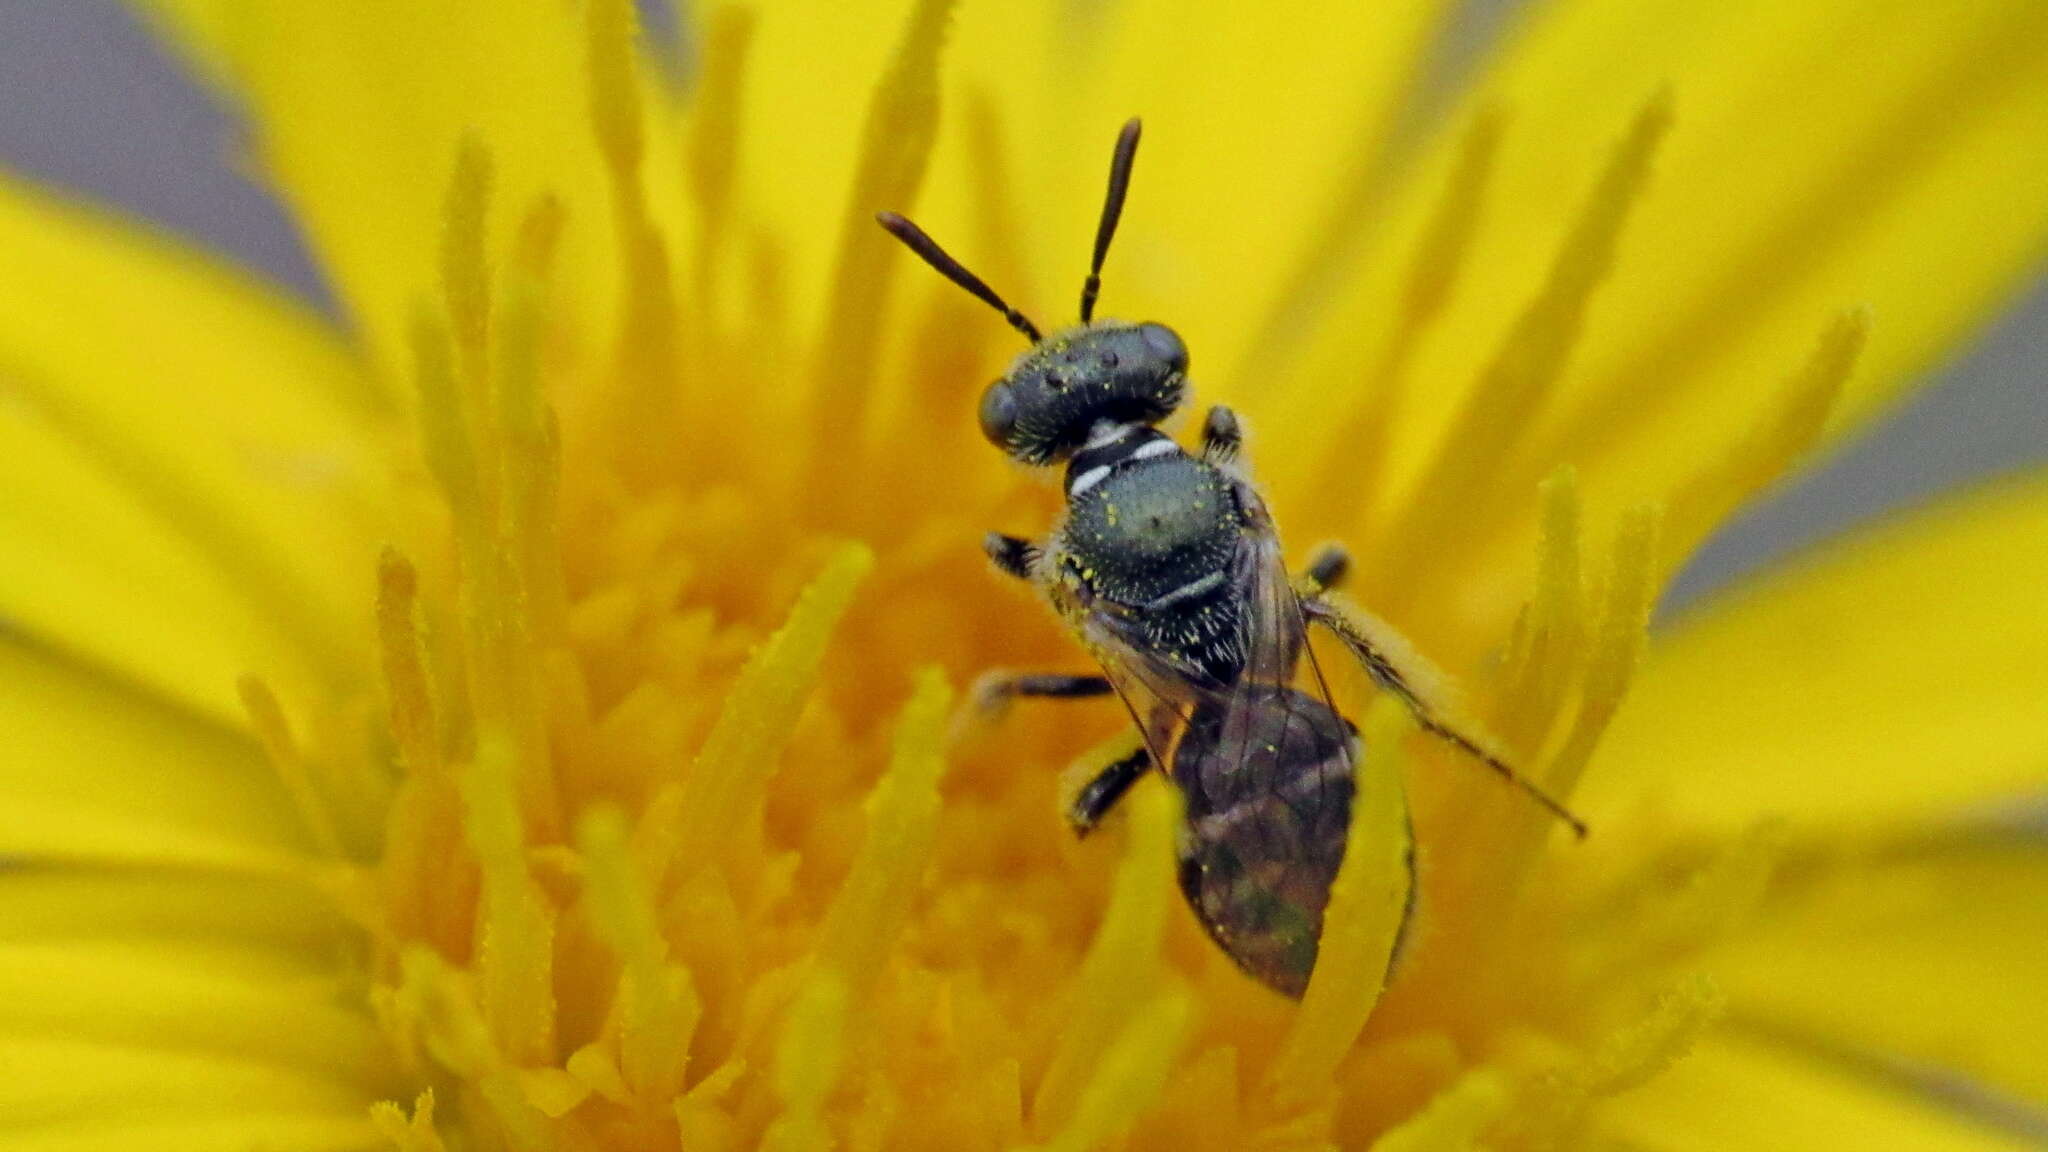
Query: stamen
{"type": "Point", "coordinates": [516, 964]}
{"type": "Point", "coordinates": [1356, 459]}
{"type": "Point", "coordinates": [1363, 922]}
{"type": "Point", "coordinates": [444, 430]}
{"type": "Point", "coordinates": [1602, 666]}
{"type": "Point", "coordinates": [1131, 1073]}
{"type": "Point", "coordinates": [268, 720]}
{"type": "Point", "coordinates": [1618, 638]}
{"type": "Point", "coordinates": [1665, 1032]}
{"type": "Point", "coordinates": [647, 357]}
{"type": "Point", "coordinates": [807, 1060]}
{"type": "Point", "coordinates": [744, 748]}
{"type": "Point", "coordinates": [873, 903]}
{"type": "Point", "coordinates": [465, 288]}
{"type": "Point", "coordinates": [1393, 72]}
{"type": "Point", "coordinates": [1776, 441]}
{"type": "Point", "coordinates": [714, 139]}
{"type": "Point", "coordinates": [496, 653]}
{"type": "Point", "coordinates": [656, 1008]}
{"type": "Point", "coordinates": [1121, 970]}
{"type": "Point", "coordinates": [435, 999]}
{"type": "Point", "coordinates": [413, 1133]}
{"type": "Point", "coordinates": [1463, 476]}
{"type": "Point", "coordinates": [405, 678]}
{"type": "Point", "coordinates": [1455, 1118]}
{"type": "Point", "coordinates": [530, 448]}
{"type": "Point", "coordinates": [896, 145]}
{"type": "Point", "coordinates": [1542, 670]}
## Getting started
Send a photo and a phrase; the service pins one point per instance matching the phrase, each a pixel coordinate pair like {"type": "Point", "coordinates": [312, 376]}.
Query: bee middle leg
{"type": "Point", "coordinates": [1101, 793]}
{"type": "Point", "coordinates": [1394, 664]}
{"type": "Point", "coordinates": [1326, 570]}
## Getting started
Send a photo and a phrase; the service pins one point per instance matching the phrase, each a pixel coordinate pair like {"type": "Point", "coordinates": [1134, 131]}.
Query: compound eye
{"type": "Point", "coordinates": [999, 413]}
{"type": "Point", "coordinates": [1166, 344]}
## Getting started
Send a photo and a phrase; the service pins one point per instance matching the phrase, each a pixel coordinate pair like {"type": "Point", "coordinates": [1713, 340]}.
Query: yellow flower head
{"type": "Point", "coordinates": [528, 714]}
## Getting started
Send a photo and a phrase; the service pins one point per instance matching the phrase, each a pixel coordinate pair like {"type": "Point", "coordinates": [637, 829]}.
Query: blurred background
{"type": "Point", "coordinates": [89, 104]}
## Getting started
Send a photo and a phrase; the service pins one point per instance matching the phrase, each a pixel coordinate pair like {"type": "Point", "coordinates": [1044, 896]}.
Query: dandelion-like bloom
{"type": "Point", "coordinates": [520, 717]}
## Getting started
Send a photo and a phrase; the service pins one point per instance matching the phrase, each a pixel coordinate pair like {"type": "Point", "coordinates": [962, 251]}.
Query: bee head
{"type": "Point", "coordinates": [1065, 385]}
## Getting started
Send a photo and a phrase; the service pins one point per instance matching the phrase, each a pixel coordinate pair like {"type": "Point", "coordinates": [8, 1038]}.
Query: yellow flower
{"type": "Point", "coordinates": [518, 717]}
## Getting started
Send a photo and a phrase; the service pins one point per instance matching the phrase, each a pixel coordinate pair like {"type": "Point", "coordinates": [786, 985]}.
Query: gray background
{"type": "Point", "coordinates": [88, 103]}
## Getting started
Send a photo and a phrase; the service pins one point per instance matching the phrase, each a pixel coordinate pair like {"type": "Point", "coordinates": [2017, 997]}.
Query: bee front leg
{"type": "Point", "coordinates": [1395, 665]}
{"type": "Point", "coordinates": [1104, 789]}
{"type": "Point", "coordinates": [994, 690]}
{"type": "Point", "coordinates": [1222, 436]}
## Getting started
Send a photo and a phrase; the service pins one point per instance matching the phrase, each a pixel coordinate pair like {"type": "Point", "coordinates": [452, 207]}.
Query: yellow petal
{"type": "Point", "coordinates": [1890, 676]}
{"type": "Point", "coordinates": [1793, 186]}
{"type": "Point", "coordinates": [1935, 961]}
{"type": "Point", "coordinates": [53, 1081]}
{"type": "Point", "coordinates": [1107, 1002]}
{"type": "Point", "coordinates": [1240, 208]}
{"type": "Point", "coordinates": [173, 426]}
{"type": "Point", "coordinates": [189, 1003]}
{"type": "Point", "coordinates": [255, 916]}
{"type": "Point", "coordinates": [358, 128]}
{"type": "Point", "coordinates": [94, 770]}
{"type": "Point", "coordinates": [1735, 1094]}
{"type": "Point", "coordinates": [341, 1130]}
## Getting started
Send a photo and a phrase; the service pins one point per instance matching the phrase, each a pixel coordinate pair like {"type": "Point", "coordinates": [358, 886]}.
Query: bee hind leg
{"type": "Point", "coordinates": [1104, 789]}
{"type": "Point", "coordinates": [1396, 667]}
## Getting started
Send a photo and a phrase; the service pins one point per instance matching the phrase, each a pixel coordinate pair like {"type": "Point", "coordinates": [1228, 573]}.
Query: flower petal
{"type": "Point", "coordinates": [186, 456]}
{"type": "Point", "coordinates": [189, 1002]}
{"type": "Point", "coordinates": [1795, 184]}
{"type": "Point", "coordinates": [162, 1008]}
{"type": "Point", "coordinates": [1735, 1094]}
{"type": "Point", "coordinates": [1236, 211]}
{"type": "Point", "coordinates": [94, 770]}
{"type": "Point", "coordinates": [1890, 676]}
{"type": "Point", "coordinates": [1933, 962]}
{"type": "Point", "coordinates": [249, 915]}
{"type": "Point", "coordinates": [52, 1083]}
{"type": "Point", "coordinates": [339, 1130]}
{"type": "Point", "coordinates": [358, 127]}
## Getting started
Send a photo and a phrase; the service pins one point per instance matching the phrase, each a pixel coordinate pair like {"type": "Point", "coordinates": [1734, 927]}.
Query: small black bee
{"type": "Point", "coordinates": [1168, 568]}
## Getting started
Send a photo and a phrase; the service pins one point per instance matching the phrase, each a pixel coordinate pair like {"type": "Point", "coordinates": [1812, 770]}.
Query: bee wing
{"type": "Point", "coordinates": [1160, 697]}
{"type": "Point", "coordinates": [1269, 782]}
{"type": "Point", "coordinates": [1275, 640]}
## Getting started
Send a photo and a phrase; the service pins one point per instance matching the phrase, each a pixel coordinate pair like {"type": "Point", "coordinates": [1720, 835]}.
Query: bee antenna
{"type": "Point", "coordinates": [928, 250]}
{"type": "Point", "coordinates": [1112, 209]}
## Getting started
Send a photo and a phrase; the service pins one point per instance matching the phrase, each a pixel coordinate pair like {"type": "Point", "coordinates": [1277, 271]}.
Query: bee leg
{"type": "Point", "coordinates": [992, 693]}
{"type": "Point", "coordinates": [998, 688]}
{"type": "Point", "coordinates": [1013, 554]}
{"type": "Point", "coordinates": [1395, 665]}
{"type": "Point", "coordinates": [1101, 793]}
{"type": "Point", "coordinates": [1222, 436]}
{"type": "Point", "coordinates": [1332, 562]}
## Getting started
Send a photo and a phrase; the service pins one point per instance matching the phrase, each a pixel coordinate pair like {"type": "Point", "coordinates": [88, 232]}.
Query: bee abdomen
{"type": "Point", "coordinates": [1266, 821]}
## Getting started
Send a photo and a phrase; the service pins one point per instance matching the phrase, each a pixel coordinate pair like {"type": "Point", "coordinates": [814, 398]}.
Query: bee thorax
{"type": "Point", "coordinates": [1151, 530]}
